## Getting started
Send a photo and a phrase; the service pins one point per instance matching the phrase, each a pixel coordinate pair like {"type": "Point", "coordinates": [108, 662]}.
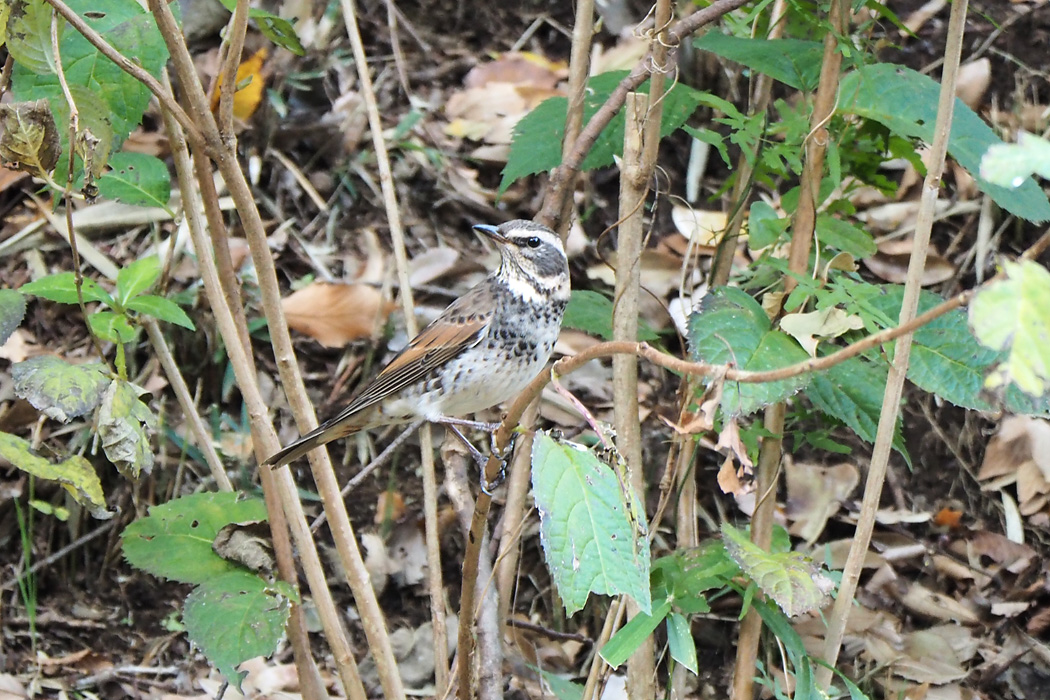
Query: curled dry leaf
{"type": "Point", "coordinates": [335, 314]}
{"type": "Point", "coordinates": [973, 81]}
{"type": "Point", "coordinates": [891, 264]}
{"type": "Point", "coordinates": [701, 226]}
{"type": "Point", "coordinates": [815, 493]}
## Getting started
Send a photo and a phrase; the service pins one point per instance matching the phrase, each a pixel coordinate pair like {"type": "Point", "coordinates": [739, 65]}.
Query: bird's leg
{"type": "Point", "coordinates": [479, 459]}
{"type": "Point", "coordinates": [476, 425]}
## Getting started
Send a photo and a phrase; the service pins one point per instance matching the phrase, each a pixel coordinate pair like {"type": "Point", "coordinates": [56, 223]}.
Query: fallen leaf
{"type": "Point", "coordinates": [335, 314]}
{"type": "Point", "coordinates": [250, 84]}
{"type": "Point", "coordinates": [811, 327]}
{"type": "Point", "coordinates": [815, 493]}
{"type": "Point", "coordinates": [973, 81]}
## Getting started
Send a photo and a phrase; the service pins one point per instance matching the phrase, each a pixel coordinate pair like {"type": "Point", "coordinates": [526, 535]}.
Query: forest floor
{"type": "Point", "coordinates": [948, 596]}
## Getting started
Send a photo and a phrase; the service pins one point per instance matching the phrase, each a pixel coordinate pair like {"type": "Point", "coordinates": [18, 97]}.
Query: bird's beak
{"type": "Point", "coordinates": [490, 231]}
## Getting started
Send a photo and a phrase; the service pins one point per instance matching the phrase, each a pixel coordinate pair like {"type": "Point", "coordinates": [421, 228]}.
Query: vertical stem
{"type": "Point", "coordinates": [630, 235]}
{"type": "Point", "coordinates": [817, 143]}
{"type": "Point", "coordinates": [579, 67]}
{"type": "Point", "coordinates": [895, 381]}
{"type": "Point", "coordinates": [761, 535]}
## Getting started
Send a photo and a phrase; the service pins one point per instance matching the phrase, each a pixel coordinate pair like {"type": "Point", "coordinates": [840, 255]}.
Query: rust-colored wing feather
{"type": "Point", "coordinates": [460, 326]}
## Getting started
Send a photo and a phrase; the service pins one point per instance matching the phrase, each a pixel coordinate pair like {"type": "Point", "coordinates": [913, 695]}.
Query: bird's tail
{"type": "Point", "coordinates": [322, 435]}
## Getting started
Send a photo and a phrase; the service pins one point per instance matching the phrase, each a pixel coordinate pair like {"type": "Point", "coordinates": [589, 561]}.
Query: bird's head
{"type": "Point", "coordinates": [532, 252]}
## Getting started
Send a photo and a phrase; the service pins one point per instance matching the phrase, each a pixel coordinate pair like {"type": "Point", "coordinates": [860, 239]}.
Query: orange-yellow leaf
{"type": "Point", "coordinates": [250, 77]}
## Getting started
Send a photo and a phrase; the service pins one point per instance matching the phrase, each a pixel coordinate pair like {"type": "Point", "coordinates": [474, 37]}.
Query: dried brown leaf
{"type": "Point", "coordinates": [335, 314]}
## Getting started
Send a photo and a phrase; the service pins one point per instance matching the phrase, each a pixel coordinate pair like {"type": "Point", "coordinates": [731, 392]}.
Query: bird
{"type": "Point", "coordinates": [479, 352]}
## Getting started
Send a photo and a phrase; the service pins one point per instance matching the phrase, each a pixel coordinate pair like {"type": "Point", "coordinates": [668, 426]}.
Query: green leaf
{"type": "Point", "coordinates": [793, 62]}
{"type": "Point", "coordinates": [29, 34]}
{"type": "Point", "coordinates": [164, 309]}
{"type": "Point", "coordinates": [842, 235]}
{"type": "Point", "coordinates": [279, 31]}
{"type": "Point", "coordinates": [1009, 164]}
{"type": "Point", "coordinates": [94, 79]}
{"type": "Point", "coordinates": [137, 278]}
{"type": "Point", "coordinates": [62, 287]}
{"type": "Point", "coordinates": [536, 147]}
{"type": "Point", "coordinates": [1013, 316]}
{"type": "Point", "coordinates": [124, 427]}
{"type": "Point", "coordinates": [111, 327]}
{"type": "Point", "coordinates": [618, 649]}
{"type": "Point", "coordinates": [235, 617]}
{"type": "Point", "coordinates": [905, 101]}
{"type": "Point", "coordinates": [764, 226]}
{"type": "Point", "coordinates": [852, 392]}
{"type": "Point", "coordinates": [729, 327]}
{"type": "Point", "coordinates": [562, 689]}
{"type": "Point", "coordinates": [788, 578]}
{"type": "Point", "coordinates": [589, 538]}
{"type": "Point", "coordinates": [75, 473]}
{"type": "Point", "coordinates": [61, 390]}
{"type": "Point", "coordinates": [680, 641]}
{"type": "Point", "coordinates": [174, 540]}
{"type": "Point", "coordinates": [12, 311]}
{"type": "Point", "coordinates": [592, 313]}
{"type": "Point", "coordinates": [138, 179]}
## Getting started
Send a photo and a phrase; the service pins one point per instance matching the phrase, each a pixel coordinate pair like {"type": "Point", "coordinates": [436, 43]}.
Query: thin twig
{"type": "Point", "coordinates": [898, 370]}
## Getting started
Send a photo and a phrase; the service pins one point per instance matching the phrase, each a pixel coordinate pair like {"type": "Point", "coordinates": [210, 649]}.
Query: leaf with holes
{"type": "Point", "coordinates": [175, 540]}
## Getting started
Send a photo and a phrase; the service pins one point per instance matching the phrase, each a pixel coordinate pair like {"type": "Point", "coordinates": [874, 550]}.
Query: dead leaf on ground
{"type": "Point", "coordinates": [973, 81]}
{"type": "Point", "coordinates": [431, 264]}
{"type": "Point", "coordinates": [703, 227]}
{"type": "Point", "coordinates": [811, 327]}
{"type": "Point", "coordinates": [335, 314]}
{"type": "Point", "coordinates": [250, 84]}
{"type": "Point", "coordinates": [815, 493]}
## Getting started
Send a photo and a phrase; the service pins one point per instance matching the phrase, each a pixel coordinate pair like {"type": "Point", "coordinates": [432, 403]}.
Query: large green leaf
{"type": "Point", "coordinates": [121, 99]}
{"type": "Point", "coordinates": [591, 542]}
{"type": "Point", "coordinates": [174, 540]}
{"type": "Point", "coordinates": [905, 101]}
{"type": "Point", "coordinates": [536, 147]}
{"type": "Point", "coordinates": [793, 62]}
{"type": "Point", "coordinates": [136, 178]}
{"type": "Point", "coordinates": [235, 617]}
{"type": "Point", "coordinates": [729, 327]}
{"type": "Point", "coordinates": [852, 392]}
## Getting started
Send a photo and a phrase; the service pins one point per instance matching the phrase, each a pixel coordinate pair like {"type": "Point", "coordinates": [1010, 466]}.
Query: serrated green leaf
{"type": "Point", "coordinates": [61, 390]}
{"type": "Point", "coordinates": [947, 360]}
{"type": "Point", "coordinates": [278, 30]}
{"type": "Point", "coordinates": [793, 62]}
{"type": "Point", "coordinates": [852, 392]}
{"type": "Point", "coordinates": [164, 309]}
{"type": "Point", "coordinates": [111, 327]}
{"type": "Point", "coordinates": [75, 473]}
{"type": "Point", "coordinates": [137, 278]}
{"type": "Point", "coordinates": [124, 427]}
{"type": "Point", "coordinates": [905, 101]}
{"type": "Point", "coordinates": [136, 178]}
{"type": "Point", "coordinates": [132, 32]}
{"type": "Point", "coordinates": [680, 641]}
{"type": "Point", "coordinates": [586, 529]}
{"type": "Point", "coordinates": [729, 327]}
{"type": "Point", "coordinates": [62, 287]}
{"type": "Point", "coordinates": [235, 617]}
{"type": "Point", "coordinates": [12, 311]}
{"type": "Point", "coordinates": [592, 313]}
{"type": "Point", "coordinates": [1010, 164]}
{"type": "Point", "coordinates": [174, 540]}
{"type": "Point", "coordinates": [622, 644]}
{"type": "Point", "coordinates": [842, 235]}
{"type": "Point", "coordinates": [536, 146]}
{"type": "Point", "coordinates": [1013, 316]}
{"type": "Point", "coordinates": [788, 578]}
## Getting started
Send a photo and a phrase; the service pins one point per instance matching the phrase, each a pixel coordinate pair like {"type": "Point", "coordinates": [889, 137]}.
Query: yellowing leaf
{"type": "Point", "coordinates": [335, 314]}
{"type": "Point", "coordinates": [76, 473]}
{"type": "Point", "coordinates": [810, 328]}
{"type": "Point", "coordinates": [252, 83]}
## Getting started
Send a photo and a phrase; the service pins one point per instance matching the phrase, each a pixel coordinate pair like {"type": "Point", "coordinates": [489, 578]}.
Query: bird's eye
{"type": "Point", "coordinates": [532, 242]}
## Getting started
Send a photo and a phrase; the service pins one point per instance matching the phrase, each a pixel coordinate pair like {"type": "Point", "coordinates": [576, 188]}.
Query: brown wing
{"type": "Point", "coordinates": [461, 326]}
